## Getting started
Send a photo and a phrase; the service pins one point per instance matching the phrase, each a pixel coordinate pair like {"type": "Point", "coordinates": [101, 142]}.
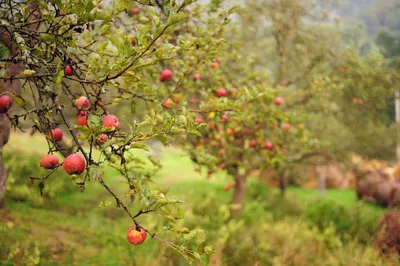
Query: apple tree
{"type": "Point", "coordinates": [94, 79]}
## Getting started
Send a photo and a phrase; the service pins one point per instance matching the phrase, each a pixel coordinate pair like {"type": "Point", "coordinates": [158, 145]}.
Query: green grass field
{"type": "Point", "coordinates": [72, 230]}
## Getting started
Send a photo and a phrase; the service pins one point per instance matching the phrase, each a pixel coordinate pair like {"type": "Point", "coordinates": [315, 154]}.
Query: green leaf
{"type": "Point", "coordinates": [18, 99]}
{"type": "Point", "coordinates": [58, 77]}
{"type": "Point", "coordinates": [205, 260]}
{"type": "Point", "coordinates": [133, 107]}
{"type": "Point", "coordinates": [154, 161]}
{"type": "Point", "coordinates": [195, 132]}
{"type": "Point", "coordinates": [209, 249]}
{"type": "Point", "coordinates": [175, 19]}
{"type": "Point", "coordinates": [139, 145]}
{"type": "Point", "coordinates": [104, 204]}
{"type": "Point", "coordinates": [196, 255]}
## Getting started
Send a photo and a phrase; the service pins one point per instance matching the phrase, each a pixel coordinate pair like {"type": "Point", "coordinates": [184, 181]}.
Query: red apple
{"type": "Point", "coordinates": [224, 118]}
{"type": "Point", "coordinates": [211, 125]}
{"type": "Point", "coordinates": [74, 164]}
{"type": "Point", "coordinates": [286, 126]}
{"type": "Point", "coordinates": [215, 64]}
{"type": "Point", "coordinates": [193, 100]}
{"type": "Point", "coordinates": [268, 145]}
{"type": "Point", "coordinates": [165, 75]}
{"type": "Point", "coordinates": [248, 132]}
{"type": "Point", "coordinates": [222, 166]}
{"type": "Point", "coordinates": [278, 101]}
{"type": "Point", "coordinates": [167, 103]}
{"type": "Point", "coordinates": [199, 119]}
{"type": "Point", "coordinates": [229, 131]}
{"type": "Point", "coordinates": [133, 42]}
{"type": "Point", "coordinates": [68, 70]}
{"type": "Point", "coordinates": [230, 186]}
{"type": "Point", "coordinates": [102, 139]}
{"type": "Point", "coordinates": [110, 121]}
{"type": "Point", "coordinates": [221, 92]}
{"type": "Point", "coordinates": [136, 11]}
{"type": "Point", "coordinates": [253, 143]}
{"type": "Point", "coordinates": [196, 76]}
{"type": "Point", "coordinates": [82, 118]}
{"type": "Point", "coordinates": [82, 103]}
{"type": "Point", "coordinates": [136, 235]}
{"type": "Point", "coordinates": [56, 134]}
{"type": "Point", "coordinates": [5, 103]}
{"type": "Point", "coordinates": [49, 161]}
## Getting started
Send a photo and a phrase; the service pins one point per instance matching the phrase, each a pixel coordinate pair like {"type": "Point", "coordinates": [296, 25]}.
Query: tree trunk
{"type": "Point", "coordinates": [239, 195]}
{"type": "Point", "coordinates": [283, 181]}
{"type": "Point", "coordinates": [13, 86]}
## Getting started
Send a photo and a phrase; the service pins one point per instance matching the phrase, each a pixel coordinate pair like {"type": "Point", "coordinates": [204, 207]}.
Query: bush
{"type": "Point", "coordinates": [349, 223]}
{"type": "Point", "coordinates": [20, 166]}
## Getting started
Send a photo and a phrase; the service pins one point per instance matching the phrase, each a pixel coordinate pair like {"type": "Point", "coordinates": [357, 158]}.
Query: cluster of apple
{"type": "Point", "coordinates": [75, 164]}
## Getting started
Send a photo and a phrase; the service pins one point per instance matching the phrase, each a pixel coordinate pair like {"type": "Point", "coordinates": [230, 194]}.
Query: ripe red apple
{"type": "Point", "coordinates": [167, 103]}
{"type": "Point", "coordinates": [278, 101]}
{"type": "Point", "coordinates": [286, 126]}
{"type": "Point", "coordinates": [230, 186]}
{"type": "Point", "coordinates": [222, 166]}
{"type": "Point", "coordinates": [133, 42]}
{"type": "Point", "coordinates": [82, 103]}
{"type": "Point", "coordinates": [199, 119]}
{"type": "Point", "coordinates": [49, 161]}
{"type": "Point", "coordinates": [110, 121]}
{"type": "Point", "coordinates": [248, 132]}
{"type": "Point", "coordinates": [165, 75]}
{"type": "Point", "coordinates": [136, 235]}
{"type": "Point", "coordinates": [197, 143]}
{"type": "Point", "coordinates": [68, 70]}
{"type": "Point", "coordinates": [102, 139]}
{"type": "Point", "coordinates": [268, 145]}
{"type": "Point", "coordinates": [253, 143]}
{"type": "Point", "coordinates": [74, 164]}
{"type": "Point", "coordinates": [196, 76]}
{"type": "Point", "coordinates": [5, 103]}
{"type": "Point", "coordinates": [82, 118]}
{"type": "Point", "coordinates": [229, 131]}
{"type": "Point", "coordinates": [56, 134]}
{"type": "Point", "coordinates": [221, 92]}
{"type": "Point", "coordinates": [136, 11]}
{"type": "Point", "coordinates": [215, 64]}
{"type": "Point", "coordinates": [224, 118]}
{"type": "Point", "coordinates": [193, 100]}
{"type": "Point", "coordinates": [211, 125]}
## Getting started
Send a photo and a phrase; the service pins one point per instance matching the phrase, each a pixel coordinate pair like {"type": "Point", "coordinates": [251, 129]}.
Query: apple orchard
{"type": "Point", "coordinates": [100, 81]}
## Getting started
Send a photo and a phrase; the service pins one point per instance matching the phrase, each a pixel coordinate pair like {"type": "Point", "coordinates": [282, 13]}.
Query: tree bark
{"type": "Point", "coordinates": [13, 86]}
{"type": "Point", "coordinates": [283, 181]}
{"type": "Point", "coordinates": [239, 195]}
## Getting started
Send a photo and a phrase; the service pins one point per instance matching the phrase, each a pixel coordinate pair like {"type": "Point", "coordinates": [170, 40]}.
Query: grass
{"type": "Point", "coordinates": [71, 228]}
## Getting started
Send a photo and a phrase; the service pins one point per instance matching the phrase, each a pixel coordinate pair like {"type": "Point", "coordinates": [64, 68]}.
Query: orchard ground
{"type": "Point", "coordinates": [70, 229]}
